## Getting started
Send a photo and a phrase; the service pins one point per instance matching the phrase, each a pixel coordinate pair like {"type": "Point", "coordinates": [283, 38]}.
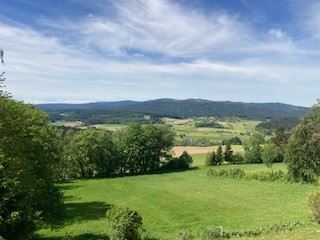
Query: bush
{"type": "Point", "coordinates": [230, 173]}
{"type": "Point", "coordinates": [214, 233]}
{"type": "Point", "coordinates": [185, 235]}
{"type": "Point", "coordinates": [237, 158]}
{"type": "Point", "coordinates": [239, 173]}
{"type": "Point", "coordinates": [212, 159]}
{"type": "Point", "coordinates": [182, 162]}
{"type": "Point", "coordinates": [233, 141]}
{"type": "Point", "coordinates": [125, 224]}
{"type": "Point", "coordinates": [267, 176]}
{"type": "Point", "coordinates": [314, 203]}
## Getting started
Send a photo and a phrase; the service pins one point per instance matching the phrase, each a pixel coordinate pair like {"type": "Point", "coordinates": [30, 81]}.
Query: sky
{"type": "Point", "coordinates": [74, 51]}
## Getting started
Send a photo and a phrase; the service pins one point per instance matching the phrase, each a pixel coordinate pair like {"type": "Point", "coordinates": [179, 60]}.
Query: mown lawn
{"type": "Point", "coordinates": [182, 200]}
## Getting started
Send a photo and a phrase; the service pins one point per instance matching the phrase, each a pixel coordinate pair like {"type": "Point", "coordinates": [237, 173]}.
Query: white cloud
{"type": "Point", "coordinates": [226, 58]}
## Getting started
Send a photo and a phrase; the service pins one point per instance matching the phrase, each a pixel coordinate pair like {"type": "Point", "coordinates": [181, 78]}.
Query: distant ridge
{"type": "Point", "coordinates": [186, 108]}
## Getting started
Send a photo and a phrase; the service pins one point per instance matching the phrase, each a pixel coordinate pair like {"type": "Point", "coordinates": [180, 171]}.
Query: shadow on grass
{"type": "Point", "coordinates": [85, 211]}
{"type": "Point", "coordinates": [165, 171]}
{"type": "Point", "coordinates": [87, 236]}
{"type": "Point", "coordinates": [159, 171]}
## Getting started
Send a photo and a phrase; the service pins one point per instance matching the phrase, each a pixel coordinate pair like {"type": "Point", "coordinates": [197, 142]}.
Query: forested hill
{"type": "Point", "coordinates": [187, 108]}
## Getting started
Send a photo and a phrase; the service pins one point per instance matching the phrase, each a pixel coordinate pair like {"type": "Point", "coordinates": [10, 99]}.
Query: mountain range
{"type": "Point", "coordinates": [185, 108]}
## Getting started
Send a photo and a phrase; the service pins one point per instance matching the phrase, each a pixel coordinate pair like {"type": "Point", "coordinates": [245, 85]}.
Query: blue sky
{"type": "Point", "coordinates": [240, 50]}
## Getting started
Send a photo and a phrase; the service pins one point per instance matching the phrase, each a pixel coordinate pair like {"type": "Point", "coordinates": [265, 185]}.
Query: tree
{"type": "Point", "coordinates": [303, 149]}
{"type": "Point", "coordinates": [253, 149]}
{"type": "Point", "coordinates": [280, 139]}
{"type": "Point", "coordinates": [256, 138]}
{"type": "Point", "coordinates": [185, 160]}
{"type": "Point", "coordinates": [28, 157]}
{"type": "Point", "coordinates": [228, 154]}
{"type": "Point", "coordinates": [269, 154]}
{"type": "Point", "coordinates": [219, 155]}
{"type": "Point", "coordinates": [211, 158]}
{"type": "Point", "coordinates": [91, 153]}
{"type": "Point", "coordinates": [144, 146]}
{"type": "Point", "coordinates": [252, 153]}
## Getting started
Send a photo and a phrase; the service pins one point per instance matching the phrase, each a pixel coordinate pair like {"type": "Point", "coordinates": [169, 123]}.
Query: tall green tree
{"type": "Point", "coordinates": [269, 154]}
{"type": "Point", "coordinates": [91, 153]}
{"type": "Point", "coordinates": [303, 149]}
{"type": "Point", "coordinates": [144, 146]}
{"type": "Point", "coordinates": [219, 155]}
{"type": "Point", "coordinates": [228, 154]}
{"type": "Point", "coordinates": [280, 139]}
{"type": "Point", "coordinates": [28, 157]}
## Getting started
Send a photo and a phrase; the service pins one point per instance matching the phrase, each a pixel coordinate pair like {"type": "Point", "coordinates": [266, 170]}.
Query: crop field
{"type": "Point", "coordinates": [240, 128]}
{"type": "Point", "coordinates": [178, 150]}
{"type": "Point", "coordinates": [186, 200]}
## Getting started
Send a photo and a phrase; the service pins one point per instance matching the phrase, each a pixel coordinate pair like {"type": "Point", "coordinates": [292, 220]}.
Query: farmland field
{"type": "Point", "coordinates": [178, 150]}
{"type": "Point", "coordinates": [185, 200]}
{"type": "Point", "coordinates": [185, 128]}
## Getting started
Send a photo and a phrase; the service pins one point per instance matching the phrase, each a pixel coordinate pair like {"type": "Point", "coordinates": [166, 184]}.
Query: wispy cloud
{"type": "Point", "coordinates": [156, 48]}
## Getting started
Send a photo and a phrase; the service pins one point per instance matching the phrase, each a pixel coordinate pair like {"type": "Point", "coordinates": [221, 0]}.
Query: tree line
{"type": "Point", "coordinates": [136, 149]}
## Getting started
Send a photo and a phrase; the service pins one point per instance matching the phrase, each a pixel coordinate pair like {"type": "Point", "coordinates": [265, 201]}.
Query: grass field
{"type": "Point", "coordinates": [185, 200]}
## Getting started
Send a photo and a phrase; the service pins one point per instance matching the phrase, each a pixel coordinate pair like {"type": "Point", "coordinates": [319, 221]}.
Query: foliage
{"type": "Point", "coordinates": [237, 158]}
{"type": "Point", "coordinates": [182, 162]}
{"type": "Point", "coordinates": [280, 140]}
{"type": "Point", "coordinates": [200, 142]}
{"type": "Point", "coordinates": [314, 203]}
{"type": "Point", "coordinates": [213, 233]}
{"type": "Point", "coordinates": [90, 153]}
{"type": "Point", "coordinates": [219, 155]}
{"type": "Point", "coordinates": [256, 138]}
{"type": "Point", "coordinates": [228, 154]}
{"type": "Point", "coordinates": [252, 153]}
{"type": "Point", "coordinates": [303, 149]}
{"type": "Point", "coordinates": [98, 116]}
{"type": "Point", "coordinates": [125, 224]}
{"type": "Point", "coordinates": [273, 176]}
{"type": "Point", "coordinates": [269, 154]}
{"type": "Point", "coordinates": [286, 123]}
{"type": "Point", "coordinates": [208, 124]}
{"type": "Point", "coordinates": [229, 173]}
{"type": "Point", "coordinates": [233, 141]}
{"type": "Point", "coordinates": [134, 150]}
{"type": "Point", "coordinates": [211, 158]}
{"type": "Point", "coordinates": [238, 173]}
{"type": "Point", "coordinates": [28, 157]}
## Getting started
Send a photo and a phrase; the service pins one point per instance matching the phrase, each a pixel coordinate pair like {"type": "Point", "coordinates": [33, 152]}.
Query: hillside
{"type": "Point", "coordinates": [185, 108]}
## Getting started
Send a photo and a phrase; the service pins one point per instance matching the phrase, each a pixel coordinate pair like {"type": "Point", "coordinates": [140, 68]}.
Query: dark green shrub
{"type": "Point", "coordinates": [237, 158]}
{"type": "Point", "coordinates": [314, 203]}
{"type": "Point", "coordinates": [212, 159]}
{"type": "Point", "coordinates": [230, 173]}
{"type": "Point", "coordinates": [125, 224]}
{"type": "Point", "coordinates": [185, 235]}
{"type": "Point", "coordinates": [182, 162]}
{"type": "Point", "coordinates": [213, 233]}
{"type": "Point", "coordinates": [233, 141]}
{"type": "Point", "coordinates": [267, 176]}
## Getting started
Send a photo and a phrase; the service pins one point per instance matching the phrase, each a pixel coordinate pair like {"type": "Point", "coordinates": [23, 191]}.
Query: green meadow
{"type": "Point", "coordinates": [191, 200]}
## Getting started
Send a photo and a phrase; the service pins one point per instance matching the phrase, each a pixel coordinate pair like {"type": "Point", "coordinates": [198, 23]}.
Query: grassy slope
{"type": "Point", "coordinates": [174, 201]}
